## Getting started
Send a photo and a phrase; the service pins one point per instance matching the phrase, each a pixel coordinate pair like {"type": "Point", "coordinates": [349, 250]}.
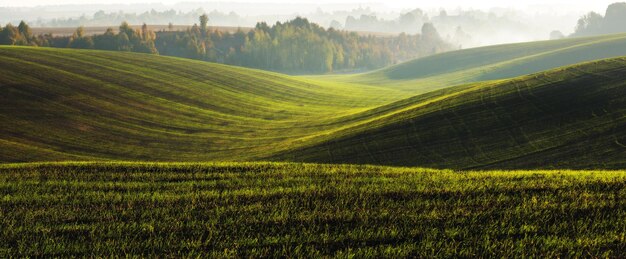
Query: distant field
{"type": "Point", "coordinates": [489, 63]}
{"type": "Point", "coordinates": [310, 210]}
{"type": "Point", "coordinates": [68, 31]}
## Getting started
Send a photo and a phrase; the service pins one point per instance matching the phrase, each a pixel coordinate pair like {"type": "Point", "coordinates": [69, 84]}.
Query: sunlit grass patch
{"type": "Point", "coordinates": [285, 209]}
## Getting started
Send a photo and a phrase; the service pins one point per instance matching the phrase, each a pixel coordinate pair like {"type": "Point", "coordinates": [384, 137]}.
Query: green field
{"type": "Point", "coordinates": [270, 209]}
{"type": "Point", "coordinates": [571, 117]}
{"type": "Point", "coordinates": [544, 107]}
{"type": "Point", "coordinates": [490, 63]}
{"type": "Point", "coordinates": [62, 104]}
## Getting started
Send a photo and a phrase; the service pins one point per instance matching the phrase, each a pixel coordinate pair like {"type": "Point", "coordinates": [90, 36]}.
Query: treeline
{"type": "Point", "coordinates": [126, 39]}
{"type": "Point", "coordinates": [297, 46]}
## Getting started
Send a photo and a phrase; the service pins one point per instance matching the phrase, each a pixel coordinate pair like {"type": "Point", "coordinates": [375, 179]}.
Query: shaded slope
{"type": "Point", "coordinates": [491, 62]}
{"type": "Point", "coordinates": [60, 104]}
{"type": "Point", "coordinates": [572, 117]}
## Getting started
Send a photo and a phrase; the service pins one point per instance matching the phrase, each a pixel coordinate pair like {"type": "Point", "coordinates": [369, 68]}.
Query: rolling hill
{"type": "Point", "coordinates": [63, 104]}
{"type": "Point", "coordinates": [60, 104]}
{"type": "Point", "coordinates": [571, 117]}
{"type": "Point", "coordinates": [489, 63]}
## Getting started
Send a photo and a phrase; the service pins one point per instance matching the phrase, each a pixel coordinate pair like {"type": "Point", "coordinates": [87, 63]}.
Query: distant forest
{"type": "Point", "coordinates": [296, 46]}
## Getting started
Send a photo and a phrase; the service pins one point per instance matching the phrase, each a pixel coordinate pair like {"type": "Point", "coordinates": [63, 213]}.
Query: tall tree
{"type": "Point", "coordinates": [204, 21]}
{"type": "Point", "coordinates": [589, 24]}
{"type": "Point", "coordinates": [24, 29]}
{"type": "Point", "coordinates": [430, 32]}
{"type": "Point", "coordinates": [615, 18]}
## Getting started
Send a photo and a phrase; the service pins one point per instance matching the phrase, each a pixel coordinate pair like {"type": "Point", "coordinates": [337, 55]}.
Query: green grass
{"type": "Point", "coordinates": [461, 111]}
{"type": "Point", "coordinates": [571, 117]}
{"type": "Point", "coordinates": [309, 210]}
{"type": "Point", "coordinates": [63, 104]}
{"type": "Point", "coordinates": [60, 104]}
{"type": "Point", "coordinates": [489, 63]}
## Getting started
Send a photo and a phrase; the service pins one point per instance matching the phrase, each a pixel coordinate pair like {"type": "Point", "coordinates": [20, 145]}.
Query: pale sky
{"type": "Point", "coordinates": [597, 5]}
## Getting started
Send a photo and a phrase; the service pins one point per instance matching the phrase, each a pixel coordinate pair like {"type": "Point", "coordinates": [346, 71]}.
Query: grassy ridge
{"type": "Point", "coordinates": [269, 209]}
{"type": "Point", "coordinates": [572, 117]}
{"type": "Point", "coordinates": [69, 104]}
{"type": "Point", "coordinates": [490, 63]}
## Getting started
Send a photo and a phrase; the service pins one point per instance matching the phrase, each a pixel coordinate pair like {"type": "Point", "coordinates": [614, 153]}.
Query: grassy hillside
{"type": "Point", "coordinates": [59, 104]}
{"type": "Point", "coordinates": [572, 117]}
{"type": "Point", "coordinates": [292, 210]}
{"type": "Point", "coordinates": [490, 63]}
{"type": "Point", "coordinates": [93, 105]}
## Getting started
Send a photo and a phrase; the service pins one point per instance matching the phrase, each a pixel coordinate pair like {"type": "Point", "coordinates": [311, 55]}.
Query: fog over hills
{"type": "Point", "coordinates": [482, 23]}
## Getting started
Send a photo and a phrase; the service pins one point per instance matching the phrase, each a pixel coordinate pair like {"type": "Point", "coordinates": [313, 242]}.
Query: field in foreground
{"type": "Point", "coordinates": [282, 209]}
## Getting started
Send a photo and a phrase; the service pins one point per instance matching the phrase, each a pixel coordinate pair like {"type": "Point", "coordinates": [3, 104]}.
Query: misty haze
{"type": "Point", "coordinates": [459, 23]}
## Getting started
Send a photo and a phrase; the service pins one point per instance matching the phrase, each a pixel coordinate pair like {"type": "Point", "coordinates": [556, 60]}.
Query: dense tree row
{"type": "Point", "coordinates": [297, 46]}
{"type": "Point", "coordinates": [126, 39]}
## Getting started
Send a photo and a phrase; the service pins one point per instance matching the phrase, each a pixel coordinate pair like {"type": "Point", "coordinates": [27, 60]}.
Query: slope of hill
{"type": "Point", "coordinates": [490, 63]}
{"type": "Point", "coordinates": [94, 105]}
{"type": "Point", "coordinates": [59, 104]}
{"type": "Point", "coordinates": [571, 117]}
